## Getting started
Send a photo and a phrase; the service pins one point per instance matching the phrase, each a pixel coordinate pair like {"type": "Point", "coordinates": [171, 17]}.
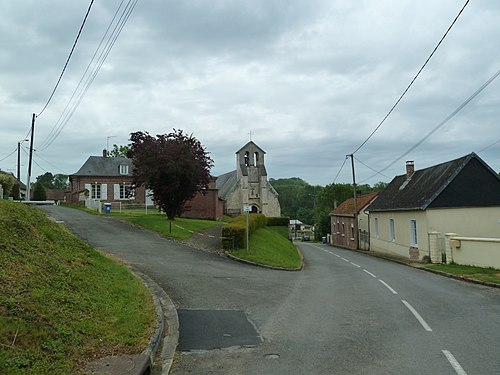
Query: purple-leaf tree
{"type": "Point", "coordinates": [174, 166]}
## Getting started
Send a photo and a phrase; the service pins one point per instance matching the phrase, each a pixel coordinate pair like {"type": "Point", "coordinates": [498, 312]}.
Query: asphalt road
{"type": "Point", "coordinates": [345, 313]}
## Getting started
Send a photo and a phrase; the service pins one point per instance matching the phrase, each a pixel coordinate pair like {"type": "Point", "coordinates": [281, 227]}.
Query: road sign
{"type": "Point", "coordinates": [247, 208]}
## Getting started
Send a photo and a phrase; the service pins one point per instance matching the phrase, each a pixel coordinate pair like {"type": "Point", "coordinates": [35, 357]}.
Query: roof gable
{"type": "Point", "coordinates": [252, 145]}
{"type": "Point", "coordinates": [347, 207]}
{"type": "Point", "coordinates": [456, 183]}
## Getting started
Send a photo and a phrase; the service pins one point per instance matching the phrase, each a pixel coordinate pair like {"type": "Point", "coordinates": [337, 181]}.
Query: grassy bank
{"type": "Point", "coordinates": [270, 246]}
{"type": "Point", "coordinates": [62, 303]}
{"type": "Point", "coordinates": [179, 228]}
{"type": "Point", "coordinates": [479, 273]}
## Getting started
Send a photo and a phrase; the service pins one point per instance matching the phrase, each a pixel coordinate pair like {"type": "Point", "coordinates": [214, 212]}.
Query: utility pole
{"type": "Point", "coordinates": [355, 200]}
{"type": "Point", "coordinates": [28, 187]}
{"type": "Point", "coordinates": [19, 161]}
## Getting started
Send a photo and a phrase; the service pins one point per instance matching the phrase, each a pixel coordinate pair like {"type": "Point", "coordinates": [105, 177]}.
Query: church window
{"type": "Point", "coordinates": [246, 158]}
{"type": "Point", "coordinates": [255, 158]}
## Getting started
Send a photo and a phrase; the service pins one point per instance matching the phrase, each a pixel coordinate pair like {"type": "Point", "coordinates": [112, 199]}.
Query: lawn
{"type": "Point", "coordinates": [179, 228]}
{"type": "Point", "coordinates": [63, 303]}
{"type": "Point", "coordinates": [270, 246]}
{"type": "Point", "coordinates": [479, 273]}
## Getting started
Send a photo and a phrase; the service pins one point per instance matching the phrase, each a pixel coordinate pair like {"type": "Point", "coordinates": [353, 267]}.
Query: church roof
{"type": "Point", "coordinates": [251, 143]}
{"type": "Point", "coordinates": [226, 184]}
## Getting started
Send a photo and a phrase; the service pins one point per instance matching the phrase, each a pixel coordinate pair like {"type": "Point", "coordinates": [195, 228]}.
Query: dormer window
{"type": "Point", "coordinates": [123, 169]}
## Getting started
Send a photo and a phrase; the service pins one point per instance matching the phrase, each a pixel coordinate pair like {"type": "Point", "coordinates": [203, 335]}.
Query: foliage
{"type": "Point", "coordinates": [269, 247]}
{"type": "Point", "coordinates": [119, 151]}
{"type": "Point", "coordinates": [7, 181]}
{"type": "Point", "coordinates": [278, 221]}
{"type": "Point", "coordinates": [380, 186]}
{"type": "Point", "coordinates": [61, 301]}
{"type": "Point", "coordinates": [50, 181]}
{"type": "Point", "coordinates": [236, 229]}
{"type": "Point", "coordinates": [39, 192]}
{"type": "Point", "coordinates": [16, 191]}
{"type": "Point", "coordinates": [174, 166]}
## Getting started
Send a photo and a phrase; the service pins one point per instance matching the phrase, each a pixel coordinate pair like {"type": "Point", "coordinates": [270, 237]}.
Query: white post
{"type": "Point", "coordinates": [247, 230]}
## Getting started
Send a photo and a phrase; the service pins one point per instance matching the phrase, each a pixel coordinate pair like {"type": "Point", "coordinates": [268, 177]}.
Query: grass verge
{"type": "Point", "coordinates": [479, 273]}
{"type": "Point", "coordinates": [180, 228]}
{"type": "Point", "coordinates": [62, 303]}
{"type": "Point", "coordinates": [269, 246]}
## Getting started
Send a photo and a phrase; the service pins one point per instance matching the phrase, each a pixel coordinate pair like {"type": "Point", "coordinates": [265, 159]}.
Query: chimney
{"type": "Point", "coordinates": [104, 153]}
{"type": "Point", "coordinates": [410, 168]}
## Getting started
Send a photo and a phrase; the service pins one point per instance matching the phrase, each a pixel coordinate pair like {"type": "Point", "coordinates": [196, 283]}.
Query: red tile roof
{"type": "Point", "coordinates": [347, 207]}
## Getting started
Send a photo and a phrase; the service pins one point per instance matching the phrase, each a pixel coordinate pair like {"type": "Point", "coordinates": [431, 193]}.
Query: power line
{"type": "Point", "coordinates": [340, 170]}
{"type": "Point", "coordinates": [489, 146]}
{"type": "Point", "coordinates": [81, 90]}
{"type": "Point", "coordinates": [413, 80]}
{"type": "Point", "coordinates": [374, 170]}
{"type": "Point", "coordinates": [438, 126]}
{"type": "Point", "coordinates": [48, 162]}
{"type": "Point", "coordinates": [5, 157]}
{"type": "Point", "coordinates": [69, 57]}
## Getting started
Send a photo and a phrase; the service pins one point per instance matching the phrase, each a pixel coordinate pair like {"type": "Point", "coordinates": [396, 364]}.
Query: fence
{"type": "Point", "coordinates": [122, 207]}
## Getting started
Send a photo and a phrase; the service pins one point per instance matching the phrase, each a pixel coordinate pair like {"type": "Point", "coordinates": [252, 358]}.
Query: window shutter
{"type": "Point", "coordinates": [116, 188]}
{"type": "Point", "coordinates": [89, 188]}
{"type": "Point", "coordinates": [104, 191]}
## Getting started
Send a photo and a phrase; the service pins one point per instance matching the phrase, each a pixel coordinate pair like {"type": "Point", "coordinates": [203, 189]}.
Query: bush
{"type": "Point", "coordinates": [15, 193]}
{"type": "Point", "coordinates": [278, 221]}
{"type": "Point", "coordinates": [39, 193]}
{"type": "Point", "coordinates": [236, 230]}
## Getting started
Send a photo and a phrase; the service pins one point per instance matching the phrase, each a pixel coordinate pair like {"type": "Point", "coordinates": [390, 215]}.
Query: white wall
{"type": "Point", "coordinates": [472, 222]}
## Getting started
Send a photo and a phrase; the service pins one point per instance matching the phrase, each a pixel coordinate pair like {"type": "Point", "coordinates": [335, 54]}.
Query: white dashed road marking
{"type": "Point", "coordinates": [388, 286]}
{"type": "Point", "coordinates": [369, 273]}
{"type": "Point", "coordinates": [454, 363]}
{"type": "Point", "coordinates": [417, 315]}
{"type": "Point", "coordinates": [355, 265]}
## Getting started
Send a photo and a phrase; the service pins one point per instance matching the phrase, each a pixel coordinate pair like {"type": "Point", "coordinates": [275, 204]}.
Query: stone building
{"type": "Point", "coordinates": [248, 184]}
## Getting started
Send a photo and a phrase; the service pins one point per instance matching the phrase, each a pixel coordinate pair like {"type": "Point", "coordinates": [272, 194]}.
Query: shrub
{"type": "Point", "coordinates": [39, 193]}
{"type": "Point", "coordinates": [278, 221]}
{"type": "Point", "coordinates": [236, 230]}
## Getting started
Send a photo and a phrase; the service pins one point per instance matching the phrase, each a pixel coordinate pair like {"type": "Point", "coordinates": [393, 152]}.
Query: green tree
{"type": "Point", "coordinates": [16, 191]}
{"type": "Point", "coordinates": [50, 181]}
{"type": "Point", "coordinates": [380, 186]}
{"type": "Point", "coordinates": [39, 192]}
{"type": "Point", "coordinates": [119, 151]}
{"type": "Point", "coordinates": [174, 166]}
{"type": "Point", "coordinates": [7, 181]}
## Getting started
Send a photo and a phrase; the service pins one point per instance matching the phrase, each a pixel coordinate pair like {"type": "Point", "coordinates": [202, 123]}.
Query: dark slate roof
{"type": "Point", "coordinates": [104, 166]}
{"type": "Point", "coordinates": [347, 207]}
{"type": "Point", "coordinates": [464, 182]}
{"type": "Point", "coordinates": [226, 184]}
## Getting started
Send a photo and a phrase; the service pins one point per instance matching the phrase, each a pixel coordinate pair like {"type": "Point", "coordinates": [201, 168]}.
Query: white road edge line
{"type": "Point", "coordinates": [417, 315]}
{"type": "Point", "coordinates": [338, 256]}
{"type": "Point", "coordinates": [454, 363]}
{"type": "Point", "coordinates": [388, 286]}
{"type": "Point", "coordinates": [369, 273]}
{"type": "Point", "coordinates": [356, 265]}
{"type": "Point", "coordinates": [345, 260]}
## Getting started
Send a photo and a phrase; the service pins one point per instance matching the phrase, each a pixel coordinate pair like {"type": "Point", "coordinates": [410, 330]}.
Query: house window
{"type": "Point", "coordinates": [413, 233]}
{"type": "Point", "coordinates": [352, 231]}
{"type": "Point", "coordinates": [392, 233]}
{"type": "Point", "coordinates": [95, 191]}
{"type": "Point", "coordinates": [375, 227]}
{"type": "Point", "coordinates": [126, 191]}
{"type": "Point", "coordinates": [343, 229]}
{"type": "Point", "coordinates": [123, 169]}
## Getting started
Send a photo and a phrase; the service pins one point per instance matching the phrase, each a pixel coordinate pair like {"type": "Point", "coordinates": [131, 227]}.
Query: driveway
{"type": "Point", "coordinates": [345, 313]}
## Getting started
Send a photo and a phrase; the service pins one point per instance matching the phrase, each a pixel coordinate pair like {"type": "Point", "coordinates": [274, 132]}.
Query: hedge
{"type": "Point", "coordinates": [234, 232]}
{"type": "Point", "coordinates": [282, 221]}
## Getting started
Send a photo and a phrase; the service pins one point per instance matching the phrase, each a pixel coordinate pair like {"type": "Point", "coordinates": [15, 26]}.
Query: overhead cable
{"type": "Point", "coordinates": [67, 60]}
{"type": "Point", "coordinates": [413, 80]}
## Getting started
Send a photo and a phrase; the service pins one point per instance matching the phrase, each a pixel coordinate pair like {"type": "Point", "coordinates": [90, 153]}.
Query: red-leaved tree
{"type": "Point", "coordinates": [174, 166]}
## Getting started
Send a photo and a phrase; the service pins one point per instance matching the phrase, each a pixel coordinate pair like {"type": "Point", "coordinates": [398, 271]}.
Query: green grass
{"type": "Point", "coordinates": [479, 273]}
{"type": "Point", "coordinates": [181, 228]}
{"type": "Point", "coordinates": [63, 303]}
{"type": "Point", "coordinates": [270, 247]}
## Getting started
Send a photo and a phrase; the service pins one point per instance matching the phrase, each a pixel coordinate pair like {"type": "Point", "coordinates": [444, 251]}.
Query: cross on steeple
{"type": "Point", "coordinates": [250, 134]}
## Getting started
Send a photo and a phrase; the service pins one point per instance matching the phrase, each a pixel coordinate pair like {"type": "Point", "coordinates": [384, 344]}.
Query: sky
{"type": "Point", "coordinates": [306, 80]}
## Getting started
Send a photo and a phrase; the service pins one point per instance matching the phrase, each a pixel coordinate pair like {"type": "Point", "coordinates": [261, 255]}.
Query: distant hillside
{"type": "Point", "coordinates": [61, 301]}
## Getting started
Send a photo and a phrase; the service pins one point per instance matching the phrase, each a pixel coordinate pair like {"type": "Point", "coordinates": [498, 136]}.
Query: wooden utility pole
{"type": "Point", "coordinates": [19, 161]}
{"type": "Point", "coordinates": [28, 187]}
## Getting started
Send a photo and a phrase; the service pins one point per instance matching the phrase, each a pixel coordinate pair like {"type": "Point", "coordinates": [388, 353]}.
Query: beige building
{"type": "Point", "coordinates": [417, 211]}
{"type": "Point", "coordinates": [248, 184]}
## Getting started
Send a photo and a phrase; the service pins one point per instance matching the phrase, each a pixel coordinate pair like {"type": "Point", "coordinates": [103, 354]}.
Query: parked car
{"type": "Point", "coordinates": [306, 237]}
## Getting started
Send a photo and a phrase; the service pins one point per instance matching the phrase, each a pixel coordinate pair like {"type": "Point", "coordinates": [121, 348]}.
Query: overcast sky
{"type": "Point", "coordinates": [310, 79]}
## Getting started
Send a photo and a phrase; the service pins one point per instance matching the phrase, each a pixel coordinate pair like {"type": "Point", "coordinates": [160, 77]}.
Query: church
{"type": "Point", "coordinates": [248, 184]}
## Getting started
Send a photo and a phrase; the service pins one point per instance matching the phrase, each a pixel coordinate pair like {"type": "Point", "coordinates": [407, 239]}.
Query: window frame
{"type": "Point", "coordinates": [413, 233]}
{"type": "Point", "coordinates": [392, 230]}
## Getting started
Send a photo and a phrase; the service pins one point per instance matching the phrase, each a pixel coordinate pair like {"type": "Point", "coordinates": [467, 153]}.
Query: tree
{"type": "Point", "coordinates": [16, 191]}
{"type": "Point", "coordinates": [39, 192]}
{"type": "Point", "coordinates": [119, 151]}
{"type": "Point", "coordinates": [380, 186]}
{"type": "Point", "coordinates": [50, 181]}
{"type": "Point", "coordinates": [174, 166]}
{"type": "Point", "coordinates": [7, 181]}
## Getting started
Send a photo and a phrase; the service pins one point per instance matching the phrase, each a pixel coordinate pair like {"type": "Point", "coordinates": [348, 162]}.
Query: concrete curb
{"type": "Point", "coordinates": [167, 314]}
